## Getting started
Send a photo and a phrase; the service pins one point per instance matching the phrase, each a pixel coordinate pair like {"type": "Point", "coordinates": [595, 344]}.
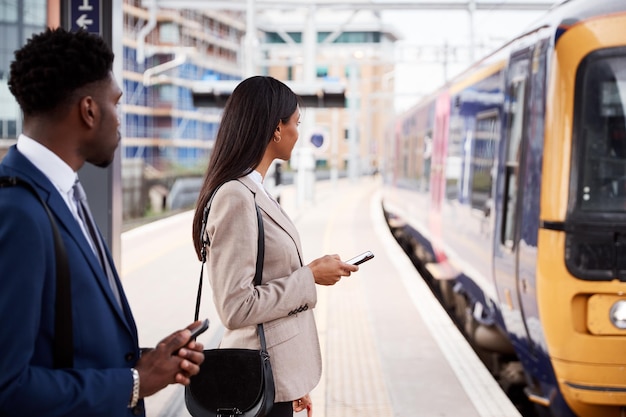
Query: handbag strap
{"type": "Point", "coordinates": [63, 345]}
{"type": "Point", "coordinates": [259, 260]}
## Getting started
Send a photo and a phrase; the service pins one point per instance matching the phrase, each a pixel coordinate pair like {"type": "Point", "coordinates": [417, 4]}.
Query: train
{"type": "Point", "coordinates": [507, 188]}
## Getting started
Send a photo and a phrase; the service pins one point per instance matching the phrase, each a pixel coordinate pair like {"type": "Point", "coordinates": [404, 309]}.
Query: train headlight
{"type": "Point", "coordinates": [618, 314]}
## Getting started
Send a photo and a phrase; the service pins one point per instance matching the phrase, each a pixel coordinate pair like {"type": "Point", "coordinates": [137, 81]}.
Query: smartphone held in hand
{"type": "Point", "coordinates": [359, 259]}
{"type": "Point", "coordinates": [201, 328]}
{"type": "Point", "coordinates": [195, 332]}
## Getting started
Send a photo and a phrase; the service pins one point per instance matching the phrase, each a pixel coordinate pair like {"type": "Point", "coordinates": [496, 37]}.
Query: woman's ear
{"type": "Point", "coordinates": [276, 137]}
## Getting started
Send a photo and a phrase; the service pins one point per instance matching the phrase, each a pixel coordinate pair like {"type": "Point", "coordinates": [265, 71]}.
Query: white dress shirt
{"type": "Point", "coordinates": [60, 174]}
{"type": "Point", "coordinates": [258, 180]}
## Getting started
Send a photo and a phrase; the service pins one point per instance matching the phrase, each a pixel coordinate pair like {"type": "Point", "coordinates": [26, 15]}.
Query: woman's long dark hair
{"type": "Point", "coordinates": [250, 117]}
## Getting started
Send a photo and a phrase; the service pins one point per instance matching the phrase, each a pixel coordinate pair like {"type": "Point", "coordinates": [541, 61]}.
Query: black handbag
{"type": "Point", "coordinates": [232, 382]}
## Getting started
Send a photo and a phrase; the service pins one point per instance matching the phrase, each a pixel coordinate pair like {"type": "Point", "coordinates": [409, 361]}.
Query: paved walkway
{"type": "Point", "coordinates": [388, 348]}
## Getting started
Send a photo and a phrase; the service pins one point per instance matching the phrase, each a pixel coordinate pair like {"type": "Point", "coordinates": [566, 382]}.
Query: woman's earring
{"type": "Point", "coordinates": [279, 139]}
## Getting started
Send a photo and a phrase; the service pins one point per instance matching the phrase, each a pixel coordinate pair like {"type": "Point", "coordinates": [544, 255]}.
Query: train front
{"type": "Point", "coordinates": [581, 283]}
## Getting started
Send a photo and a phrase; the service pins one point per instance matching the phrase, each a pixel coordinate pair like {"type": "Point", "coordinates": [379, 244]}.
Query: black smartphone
{"type": "Point", "coordinates": [195, 332]}
{"type": "Point", "coordinates": [359, 259]}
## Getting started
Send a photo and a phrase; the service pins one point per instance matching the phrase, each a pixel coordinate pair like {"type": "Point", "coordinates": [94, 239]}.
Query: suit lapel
{"type": "Point", "coordinates": [273, 210]}
{"type": "Point", "coordinates": [65, 218]}
{"type": "Point", "coordinates": [61, 211]}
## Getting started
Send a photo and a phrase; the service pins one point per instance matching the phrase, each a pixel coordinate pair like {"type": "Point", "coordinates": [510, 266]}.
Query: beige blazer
{"type": "Point", "coordinates": [285, 301]}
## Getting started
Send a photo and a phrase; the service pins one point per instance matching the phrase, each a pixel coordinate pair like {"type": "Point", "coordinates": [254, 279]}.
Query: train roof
{"type": "Point", "coordinates": [570, 12]}
{"type": "Point", "coordinates": [553, 24]}
{"type": "Point", "coordinates": [580, 10]}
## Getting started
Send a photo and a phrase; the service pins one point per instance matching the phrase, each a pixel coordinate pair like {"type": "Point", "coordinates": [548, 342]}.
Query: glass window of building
{"type": "Point", "coordinates": [18, 21]}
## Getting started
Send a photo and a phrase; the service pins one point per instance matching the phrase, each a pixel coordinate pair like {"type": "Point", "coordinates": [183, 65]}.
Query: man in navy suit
{"type": "Point", "coordinates": [65, 87]}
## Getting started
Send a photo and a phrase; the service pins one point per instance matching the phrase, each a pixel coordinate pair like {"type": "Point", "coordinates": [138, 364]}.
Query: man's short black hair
{"type": "Point", "coordinates": [53, 65]}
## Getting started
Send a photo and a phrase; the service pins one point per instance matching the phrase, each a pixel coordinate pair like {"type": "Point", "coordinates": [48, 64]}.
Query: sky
{"type": "Point", "coordinates": [425, 33]}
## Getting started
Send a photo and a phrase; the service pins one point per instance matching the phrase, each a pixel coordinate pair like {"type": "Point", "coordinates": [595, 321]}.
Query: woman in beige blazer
{"type": "Point", "coordinates": [259, 124]}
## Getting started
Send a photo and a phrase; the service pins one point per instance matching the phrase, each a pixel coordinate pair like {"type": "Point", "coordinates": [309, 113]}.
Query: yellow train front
{"type": "Point", "coordinates": [508, 187]}
{"type": "Point", "coordinates": [581, 269]}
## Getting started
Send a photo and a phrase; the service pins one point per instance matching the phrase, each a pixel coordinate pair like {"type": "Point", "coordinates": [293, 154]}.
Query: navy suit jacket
{"type": "Point", "coordinates": [105, 336]}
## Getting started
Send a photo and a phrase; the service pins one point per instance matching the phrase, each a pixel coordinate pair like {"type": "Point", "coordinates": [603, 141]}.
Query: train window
{"type": "Point", "coordinates": [483, 154]}
{"type": "Point", "coordinates": [515, 124]}
{"type": "Point", "coordinates": [601, 136]}
{"type": "Point", "coordinates": [596, 241]}
{"type": "Point", "coordinates": [516, 120]}
{"type": "Point", "coordinates": [454, 157]}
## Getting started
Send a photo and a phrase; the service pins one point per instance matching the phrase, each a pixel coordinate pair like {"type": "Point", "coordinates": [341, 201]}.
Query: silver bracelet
{"type": "Point", "coordinates": [134, 399]}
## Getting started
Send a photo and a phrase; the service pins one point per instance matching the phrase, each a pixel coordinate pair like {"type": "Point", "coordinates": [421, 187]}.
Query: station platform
{"type": "Point", "coordinates": [388, 347]}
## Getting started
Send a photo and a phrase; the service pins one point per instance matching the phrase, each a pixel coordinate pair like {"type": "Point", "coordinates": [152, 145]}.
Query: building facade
{"type": "Point", "coordinates": [353, 49]}
{"type": "Point", "coordinates": [18, 21]}
{"type": "Point", "coordinates": [166, 50]}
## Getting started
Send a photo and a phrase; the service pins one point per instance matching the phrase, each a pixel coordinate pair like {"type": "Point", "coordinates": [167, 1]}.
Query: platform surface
{"type": "Point", "coordinates": [388, 347]}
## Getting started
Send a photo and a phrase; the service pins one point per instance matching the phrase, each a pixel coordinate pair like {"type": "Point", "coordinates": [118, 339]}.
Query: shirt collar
{"type": "Point", "coordinates": [258, 180]}
{"type": "Point", "coordinates": [256, 177]}
{"type": "Point", "coordinates": [53, 167]}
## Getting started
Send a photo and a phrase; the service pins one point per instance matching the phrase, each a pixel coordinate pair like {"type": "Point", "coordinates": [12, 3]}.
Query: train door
{"type": "Point", "coordinates": [510, 195]}
{"type": "Point", "coordinates": [438, 169]}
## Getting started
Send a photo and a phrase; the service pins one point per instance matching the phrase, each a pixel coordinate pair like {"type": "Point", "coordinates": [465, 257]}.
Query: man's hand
{"type": "Point", "coordinates": [159, 367]}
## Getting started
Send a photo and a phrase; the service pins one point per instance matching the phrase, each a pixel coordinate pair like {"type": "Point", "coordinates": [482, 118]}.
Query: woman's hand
{"type": "Point", "coordinates": [329, 269]}
{"type": "Point", "coordinates": [302, 403]}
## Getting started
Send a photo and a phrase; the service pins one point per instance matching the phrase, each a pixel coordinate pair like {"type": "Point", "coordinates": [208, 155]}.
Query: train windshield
{"type": "Point", "coordinates": [601, 134]}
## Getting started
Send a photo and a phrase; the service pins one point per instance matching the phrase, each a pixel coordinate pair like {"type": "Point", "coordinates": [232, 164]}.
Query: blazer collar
{"type": "Point", "coordinates": [48, 192]}
{"type": "Point", "coordinates": [273, 210]}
